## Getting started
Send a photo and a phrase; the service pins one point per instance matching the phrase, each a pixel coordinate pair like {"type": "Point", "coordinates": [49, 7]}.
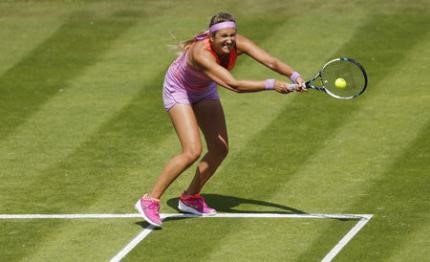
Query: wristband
{"type": "Point", "coordinates": [270, 84]}
{"type": "Point", "coordinates": [294, 77]}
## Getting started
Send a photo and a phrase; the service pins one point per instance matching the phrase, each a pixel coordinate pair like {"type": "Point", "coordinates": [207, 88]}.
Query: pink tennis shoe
{"type": "Point", "coordinates": [149, 208]}
{"type": "Point", "coordinates": [195, 204]}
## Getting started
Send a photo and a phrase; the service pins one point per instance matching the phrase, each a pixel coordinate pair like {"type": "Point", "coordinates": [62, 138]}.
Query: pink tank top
{"type": "Point", "coordinates": [183, 75]}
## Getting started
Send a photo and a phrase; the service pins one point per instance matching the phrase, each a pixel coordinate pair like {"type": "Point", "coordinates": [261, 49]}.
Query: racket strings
{"type": "Point", "coordinates": [352, 73]}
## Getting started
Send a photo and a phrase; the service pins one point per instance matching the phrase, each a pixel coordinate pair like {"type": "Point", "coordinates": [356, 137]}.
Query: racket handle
{"type": "Point", "coordinates": [292, 87]}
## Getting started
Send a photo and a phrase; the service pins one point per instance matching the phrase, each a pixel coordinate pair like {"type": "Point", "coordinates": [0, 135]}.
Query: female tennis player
{"type": "Point", "coordinates": [190, 97]}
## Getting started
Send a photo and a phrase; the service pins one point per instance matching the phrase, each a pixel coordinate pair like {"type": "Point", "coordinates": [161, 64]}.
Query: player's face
{"type": "Point", "coordinates": [224, 41]}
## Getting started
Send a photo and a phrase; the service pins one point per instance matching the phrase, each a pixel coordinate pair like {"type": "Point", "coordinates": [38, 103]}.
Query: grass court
{"type": "Point", "coordinates": [83, 131]}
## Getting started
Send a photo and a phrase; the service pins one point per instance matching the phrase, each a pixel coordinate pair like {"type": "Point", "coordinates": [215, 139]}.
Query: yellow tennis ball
{"type": "Point", "coordinates": [340, 83]}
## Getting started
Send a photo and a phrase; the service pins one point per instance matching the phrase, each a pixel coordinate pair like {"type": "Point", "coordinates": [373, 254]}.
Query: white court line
{"type": "Point", "coordinates": [363, 219]}
{"type": "Point", "coordinates": [133, 243]}
{"type": "Point", "coordinates": [348, 237]}
{"type": "Point", "coordinates": [66, 216]}
{"type": "Point", "coordinates": [168, 215]}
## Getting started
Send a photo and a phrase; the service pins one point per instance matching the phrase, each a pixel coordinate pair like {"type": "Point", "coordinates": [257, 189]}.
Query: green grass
{"type": "Point", "coordinates": [83, 130]}
{"type": "Point", "coordinates": [243, 245]}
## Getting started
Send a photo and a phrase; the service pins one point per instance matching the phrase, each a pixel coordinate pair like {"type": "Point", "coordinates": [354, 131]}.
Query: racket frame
{"type": "Point", "coordinates": [309, 84]}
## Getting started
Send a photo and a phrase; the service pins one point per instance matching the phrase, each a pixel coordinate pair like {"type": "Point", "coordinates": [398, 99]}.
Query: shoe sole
{"type": "Point", "coordinates": [139, 209]}
{"type": "Point", "coordinates": [186, 209]}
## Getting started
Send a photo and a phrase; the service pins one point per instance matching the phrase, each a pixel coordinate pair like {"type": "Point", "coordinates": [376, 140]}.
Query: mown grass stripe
{"type": "Point", "coordinates": [97, 167]}
{"type": "Point", "coordinates": [399, 194]}
{"type": "Point", "coordinates": [75, 46]}
{"type": "Point", "coordinates": [367, 114]}
{"type": "Point", "coordinates": [362, 221]}
{"type": "Point", "coordinates": [127, 85]}
{"type": "Point", "coordinates": [47, 137]}
{"type": "Point", "coordinates": [323, 118]}
{"type": "Point", "coordinates": [50, 239]}
{"type": "Point", "coordinates": [390, 127]}
{"type": "Point", "coordinates": [361, 150]}
{"type": "Point", "coordinates": [414, 245]}
{"type": "Point", "coordinates": [18, 38]}
{"type": "Point", "coordinates": [103, 158]}
{"type": "Point", "coordinates": [401, 199]}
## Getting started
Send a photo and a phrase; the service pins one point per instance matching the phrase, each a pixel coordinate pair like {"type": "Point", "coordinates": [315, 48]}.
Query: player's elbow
{"type": "Point", "coordinates": [237, 90]}
{"type": "Point", "coordinates": [234, 86]}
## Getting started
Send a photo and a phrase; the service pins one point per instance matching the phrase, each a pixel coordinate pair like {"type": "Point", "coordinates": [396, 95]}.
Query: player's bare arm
{"type": "Point", "coordinates": [246, 46]}
{"type": "Point", "coordinates": [201, 58]}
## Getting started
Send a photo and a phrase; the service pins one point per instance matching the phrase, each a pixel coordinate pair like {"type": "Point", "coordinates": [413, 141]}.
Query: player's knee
{"type": "Point", "coordinates": [220, 150]}
{"type": "Point", "coordinates": [192, 155]}
{"type": "Point", "coordinates": [223, 150]}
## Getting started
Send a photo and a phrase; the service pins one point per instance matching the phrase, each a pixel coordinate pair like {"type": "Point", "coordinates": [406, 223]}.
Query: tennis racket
{"type": "Point", "coordinates": [341, 78]}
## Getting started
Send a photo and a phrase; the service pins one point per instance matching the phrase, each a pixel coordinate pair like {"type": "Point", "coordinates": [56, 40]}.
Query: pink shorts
{"type": "Point", "coordinates": [173, 95]}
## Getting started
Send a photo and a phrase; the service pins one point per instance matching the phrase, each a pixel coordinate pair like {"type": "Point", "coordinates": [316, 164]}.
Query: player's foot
{"type": "Point", "coordinates": [195, 204]}
{"type": "Point", "coordinates": [149, 208]}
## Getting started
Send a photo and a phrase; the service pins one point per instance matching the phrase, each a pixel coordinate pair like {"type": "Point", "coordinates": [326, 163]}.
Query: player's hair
{"type": "Point", "coordinates": [217, 18]}
{"type": "Point", "coordinates": [221, 17]}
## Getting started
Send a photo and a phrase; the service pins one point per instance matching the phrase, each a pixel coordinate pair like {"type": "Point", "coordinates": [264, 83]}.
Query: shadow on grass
{"type": "Point", "coordinates": [227, 204]}
{"type": "Point", "coordinates": [146, 225]}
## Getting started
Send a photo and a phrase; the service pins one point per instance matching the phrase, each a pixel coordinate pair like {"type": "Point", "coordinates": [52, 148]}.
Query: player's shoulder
{"type": "Point", "coordinates": [240, 37]}
{"type": "Point", "coordinates": [243, 43]}
{"type": "Point", "coordinates": [199, 55]}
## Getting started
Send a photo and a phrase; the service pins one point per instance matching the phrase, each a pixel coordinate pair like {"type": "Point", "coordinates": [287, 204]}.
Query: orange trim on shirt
{"type": "Point", "coordinates": [231, 59]}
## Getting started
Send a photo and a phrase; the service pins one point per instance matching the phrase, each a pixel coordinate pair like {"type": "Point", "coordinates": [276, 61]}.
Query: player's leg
{"type": "Point", "coordinates": [187, 129]}
{"type": "Point", "coordinates": [210, 117]}
{"type": "Point", "coordinates": [185, 124]}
